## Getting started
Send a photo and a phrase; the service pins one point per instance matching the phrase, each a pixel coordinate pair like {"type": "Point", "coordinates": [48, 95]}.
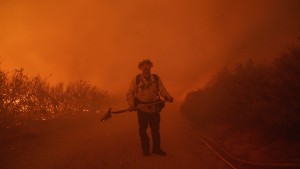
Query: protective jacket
{"type": "Point", "coordinates": [146, 91]}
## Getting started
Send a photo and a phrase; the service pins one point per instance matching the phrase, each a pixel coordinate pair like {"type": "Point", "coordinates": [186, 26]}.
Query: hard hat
{"type": "Point", "coordinates": [143, 61]}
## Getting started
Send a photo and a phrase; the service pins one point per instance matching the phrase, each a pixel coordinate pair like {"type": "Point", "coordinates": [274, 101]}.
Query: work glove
{"type": "Point", "coordinates": [132, 108]}
{"type": "Point", "coordinates": [169, 99]}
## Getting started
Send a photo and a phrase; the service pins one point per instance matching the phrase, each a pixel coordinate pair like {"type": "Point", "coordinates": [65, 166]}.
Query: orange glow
{"type": "Point", "coordinates": [102, 41]}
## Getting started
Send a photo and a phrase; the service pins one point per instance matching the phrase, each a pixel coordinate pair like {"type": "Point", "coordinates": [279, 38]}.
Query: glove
{"type": "Point", "coordinates": [169, 99]}
{"type": "Point", "coordinates": [132, 108]}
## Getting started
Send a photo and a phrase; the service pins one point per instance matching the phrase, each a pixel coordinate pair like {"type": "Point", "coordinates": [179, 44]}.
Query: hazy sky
{"type": "Point", "coordinates": [102, 41]}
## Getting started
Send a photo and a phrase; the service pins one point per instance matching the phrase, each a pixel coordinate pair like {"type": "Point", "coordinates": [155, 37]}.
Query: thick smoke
{"type": "Point", "coordinates": [102, 41]}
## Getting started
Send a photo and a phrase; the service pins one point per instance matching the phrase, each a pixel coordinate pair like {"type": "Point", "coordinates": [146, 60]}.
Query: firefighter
{"type": "Point", "coordinates": [147, 88]}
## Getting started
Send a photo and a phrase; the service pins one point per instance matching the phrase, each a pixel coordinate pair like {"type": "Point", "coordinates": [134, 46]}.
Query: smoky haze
{"type": "Point", "coordinates": [102, 41]}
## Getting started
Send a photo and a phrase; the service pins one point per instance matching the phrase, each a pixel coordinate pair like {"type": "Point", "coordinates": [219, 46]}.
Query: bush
{"type": "Point", "coordinates": [251, 96]}
{"type": "Point", "coordinates": [33, 98]}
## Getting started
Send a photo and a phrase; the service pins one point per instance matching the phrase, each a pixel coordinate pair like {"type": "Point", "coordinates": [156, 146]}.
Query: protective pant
{"type": "Point", "coordinates": [153, 120]}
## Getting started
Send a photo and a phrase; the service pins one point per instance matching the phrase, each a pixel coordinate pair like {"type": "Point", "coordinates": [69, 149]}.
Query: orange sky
{"type": "Point", "coordinates": [102, 41]}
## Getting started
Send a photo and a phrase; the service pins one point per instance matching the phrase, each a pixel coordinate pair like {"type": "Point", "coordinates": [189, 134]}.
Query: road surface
{"type": "Point", "coordinates": [109, 145]}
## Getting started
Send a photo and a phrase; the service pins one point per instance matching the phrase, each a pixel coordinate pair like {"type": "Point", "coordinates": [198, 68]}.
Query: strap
{"type": "Point", "coordinates": [137, 81]}
{"type": "Point", "coordinates": [157, 87]}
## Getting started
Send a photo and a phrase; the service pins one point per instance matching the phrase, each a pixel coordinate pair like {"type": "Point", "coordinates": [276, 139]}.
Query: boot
{"type": "Point", "coordinates": [159, 152]}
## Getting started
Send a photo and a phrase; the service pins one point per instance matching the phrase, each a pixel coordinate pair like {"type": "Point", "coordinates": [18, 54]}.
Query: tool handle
{"type": "Point", "coordinates": [120, 111]}
{"type": "Point", "coordinates": [148, 104]}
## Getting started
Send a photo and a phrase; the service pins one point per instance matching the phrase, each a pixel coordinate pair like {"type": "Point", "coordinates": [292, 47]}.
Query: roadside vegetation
{"type": "Point", "coordinates": [24, 98]}
{"type": "Point", "coordinates": [252, 103]}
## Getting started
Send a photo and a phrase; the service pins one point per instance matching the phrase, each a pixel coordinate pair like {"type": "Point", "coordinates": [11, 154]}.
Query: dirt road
{"type": "Point", "coordinates": [113, 144]}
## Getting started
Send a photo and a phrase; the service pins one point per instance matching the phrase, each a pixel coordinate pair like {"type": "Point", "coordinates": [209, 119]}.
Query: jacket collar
{"type": "Point", "coordinates": [145, 80]}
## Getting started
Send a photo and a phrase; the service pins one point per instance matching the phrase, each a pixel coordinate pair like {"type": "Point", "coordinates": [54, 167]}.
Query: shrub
{"type": "Point", "coordinates": [251, 96]}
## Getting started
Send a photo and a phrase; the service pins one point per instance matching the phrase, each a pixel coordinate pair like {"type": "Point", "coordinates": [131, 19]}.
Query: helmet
{"type": "Point", "coordinates": [143, 61]}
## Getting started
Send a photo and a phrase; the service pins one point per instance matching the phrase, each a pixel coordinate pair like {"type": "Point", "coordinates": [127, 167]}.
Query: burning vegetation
{"type": "Point", "coordinates": [24, 98]}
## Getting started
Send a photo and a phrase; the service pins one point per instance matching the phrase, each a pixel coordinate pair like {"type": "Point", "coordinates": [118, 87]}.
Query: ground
{"type": "Point", "coordinates": [89, 143]}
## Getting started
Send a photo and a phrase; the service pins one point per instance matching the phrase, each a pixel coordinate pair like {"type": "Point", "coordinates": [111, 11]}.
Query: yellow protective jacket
{"type": "Point", "coordinates": [146, 91]}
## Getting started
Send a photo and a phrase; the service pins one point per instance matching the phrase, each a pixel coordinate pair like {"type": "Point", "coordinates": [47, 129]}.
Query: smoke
{"type": "Point", "coordinates": [102, 41]}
